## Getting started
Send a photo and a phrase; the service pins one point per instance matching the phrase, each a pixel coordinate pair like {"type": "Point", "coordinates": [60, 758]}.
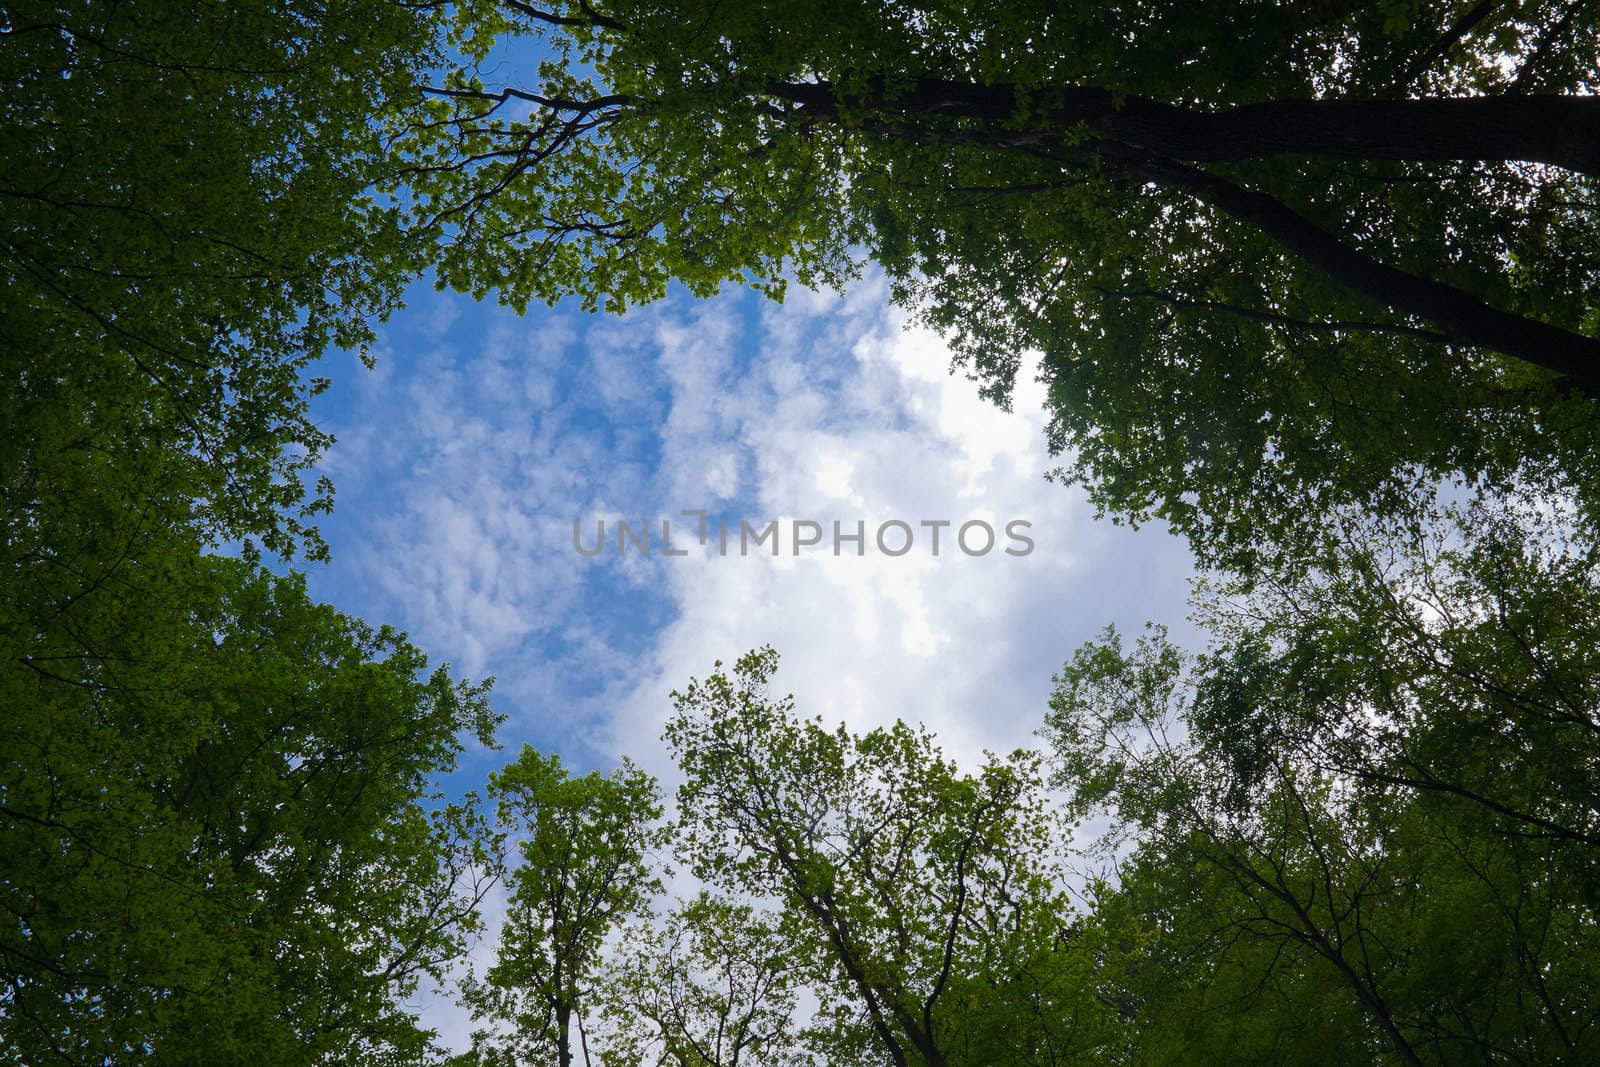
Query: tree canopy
{"type": "Point", "coordinates": [1317, 283]}
{"type": "Point", "coordinates": [587, 862]}
{"type": "Point", "coordinates": [1276, 258]}
{"type": "Point", "coordinates": [188, 223]}
{"type": "Point", "coordinates": [221, 834]}
{"type": "Point", "coordinates": [1342, 856]}
{"type": "Point", "coordinates": [1364, 819]}
{"type": "Point", "coordinates": [925, 904]}
{"type": "Point", "coordinates": [715, 984]}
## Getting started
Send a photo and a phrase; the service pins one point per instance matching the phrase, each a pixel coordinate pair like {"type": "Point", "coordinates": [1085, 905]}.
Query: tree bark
{"type": "Point", "coordinates": [563, 1033]}
{"type": "Point", "coordinates": [1466, 319]}
{"type": "Point", "coordinates": [1562, 131]}
{"type": "Point", "coordinates": [1156, 142]}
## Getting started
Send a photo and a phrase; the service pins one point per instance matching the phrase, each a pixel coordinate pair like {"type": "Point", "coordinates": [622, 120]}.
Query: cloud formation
{"type": "Point", "coordinates": [463, 462]}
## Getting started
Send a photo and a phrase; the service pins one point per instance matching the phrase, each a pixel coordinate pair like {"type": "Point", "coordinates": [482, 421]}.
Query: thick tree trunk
{"type": "Point", "coordinates": [1156, 142]}
{"type": "Point", "coordinates": [1563, 131]}
{"type": "Point", "coordinates": [563, 1033]}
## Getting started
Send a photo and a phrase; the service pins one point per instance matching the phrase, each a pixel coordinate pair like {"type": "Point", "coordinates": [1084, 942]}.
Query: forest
{"type": "Point", "coordinates": [1315, 287]}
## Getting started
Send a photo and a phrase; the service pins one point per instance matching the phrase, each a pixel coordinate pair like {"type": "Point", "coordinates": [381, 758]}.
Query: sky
{"type": "Point", "coordinates": [465, 458]}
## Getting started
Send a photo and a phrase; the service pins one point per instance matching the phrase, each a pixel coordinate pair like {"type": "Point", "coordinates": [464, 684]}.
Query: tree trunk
{"type": "Point", "coordinates": [1563, 131]}
{"type": "Point", "coordinates": [1152, 141]}
{"type": "Point", "coordinates": [563, 1033]}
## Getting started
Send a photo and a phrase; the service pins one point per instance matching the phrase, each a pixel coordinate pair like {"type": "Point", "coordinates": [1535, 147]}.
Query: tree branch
{"type": "Point", "coordinates": [1531, 69]}
{"type": "Point", "coordinates": [1441, 48]}
{"type": "Point", "coordinates": [590, 16]}
{"type": "Point", "coordinates": [1464, 318]}
{"type": "Point", "coordinates": [1255, 314]}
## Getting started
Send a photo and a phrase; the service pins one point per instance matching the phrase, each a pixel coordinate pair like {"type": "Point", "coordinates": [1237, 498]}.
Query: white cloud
{"type": "Point", "coordinates": [481, 450]}
{"type": "Point", "coordinates": [965, 644]}
{"type": "Point", "coordinates": [473, 458]}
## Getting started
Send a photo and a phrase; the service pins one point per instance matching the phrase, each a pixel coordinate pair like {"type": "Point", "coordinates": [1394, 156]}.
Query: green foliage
{"type": "Point", "coordinates": [927, 903]}
{"type": "Point", "coordinates": [1242, 326]}
{"type": "Point", "coordinates": [1453, 652]}
{"type": "Point", "coordinates": [187, 227]}
{"type": "Point", "coordinates": [221, 842]}
{"type": "Point", "coordinates": [714, 984]}
{"type": "Point", "coordinates": [1359, 827]}
{"type": "Point", "coordinates": [219, 839]}
{"type": "Point", "coordinates": [1364, 820]}
{"type": "Point", "coordinates": [1355, 830]}
{"type": "Point", "coordinates": [587, 862]}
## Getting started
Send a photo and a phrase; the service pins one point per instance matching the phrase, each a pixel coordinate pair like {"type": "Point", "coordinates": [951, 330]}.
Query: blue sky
{"type": "Point", "coordinates": [463, 460]}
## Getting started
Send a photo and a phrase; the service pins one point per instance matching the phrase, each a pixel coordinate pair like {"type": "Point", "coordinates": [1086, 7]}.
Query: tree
{"type": "Point", "coordinates": [1363, 820]}
{"type": "Point", "coordinates": [927, 901]}
{"type": "Point", "coordinates": [1451, 652]}
{"type": "Point", "coordinates": [1275, 259]}
{"type": "Point", "coordinates": [188, 224]}
{"type": "Point", "coordinates": [586, 847]}
{"type": "Point", "coordinates": [219, 835]}
{"type": "Point", "coordinates": [713, 985]}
